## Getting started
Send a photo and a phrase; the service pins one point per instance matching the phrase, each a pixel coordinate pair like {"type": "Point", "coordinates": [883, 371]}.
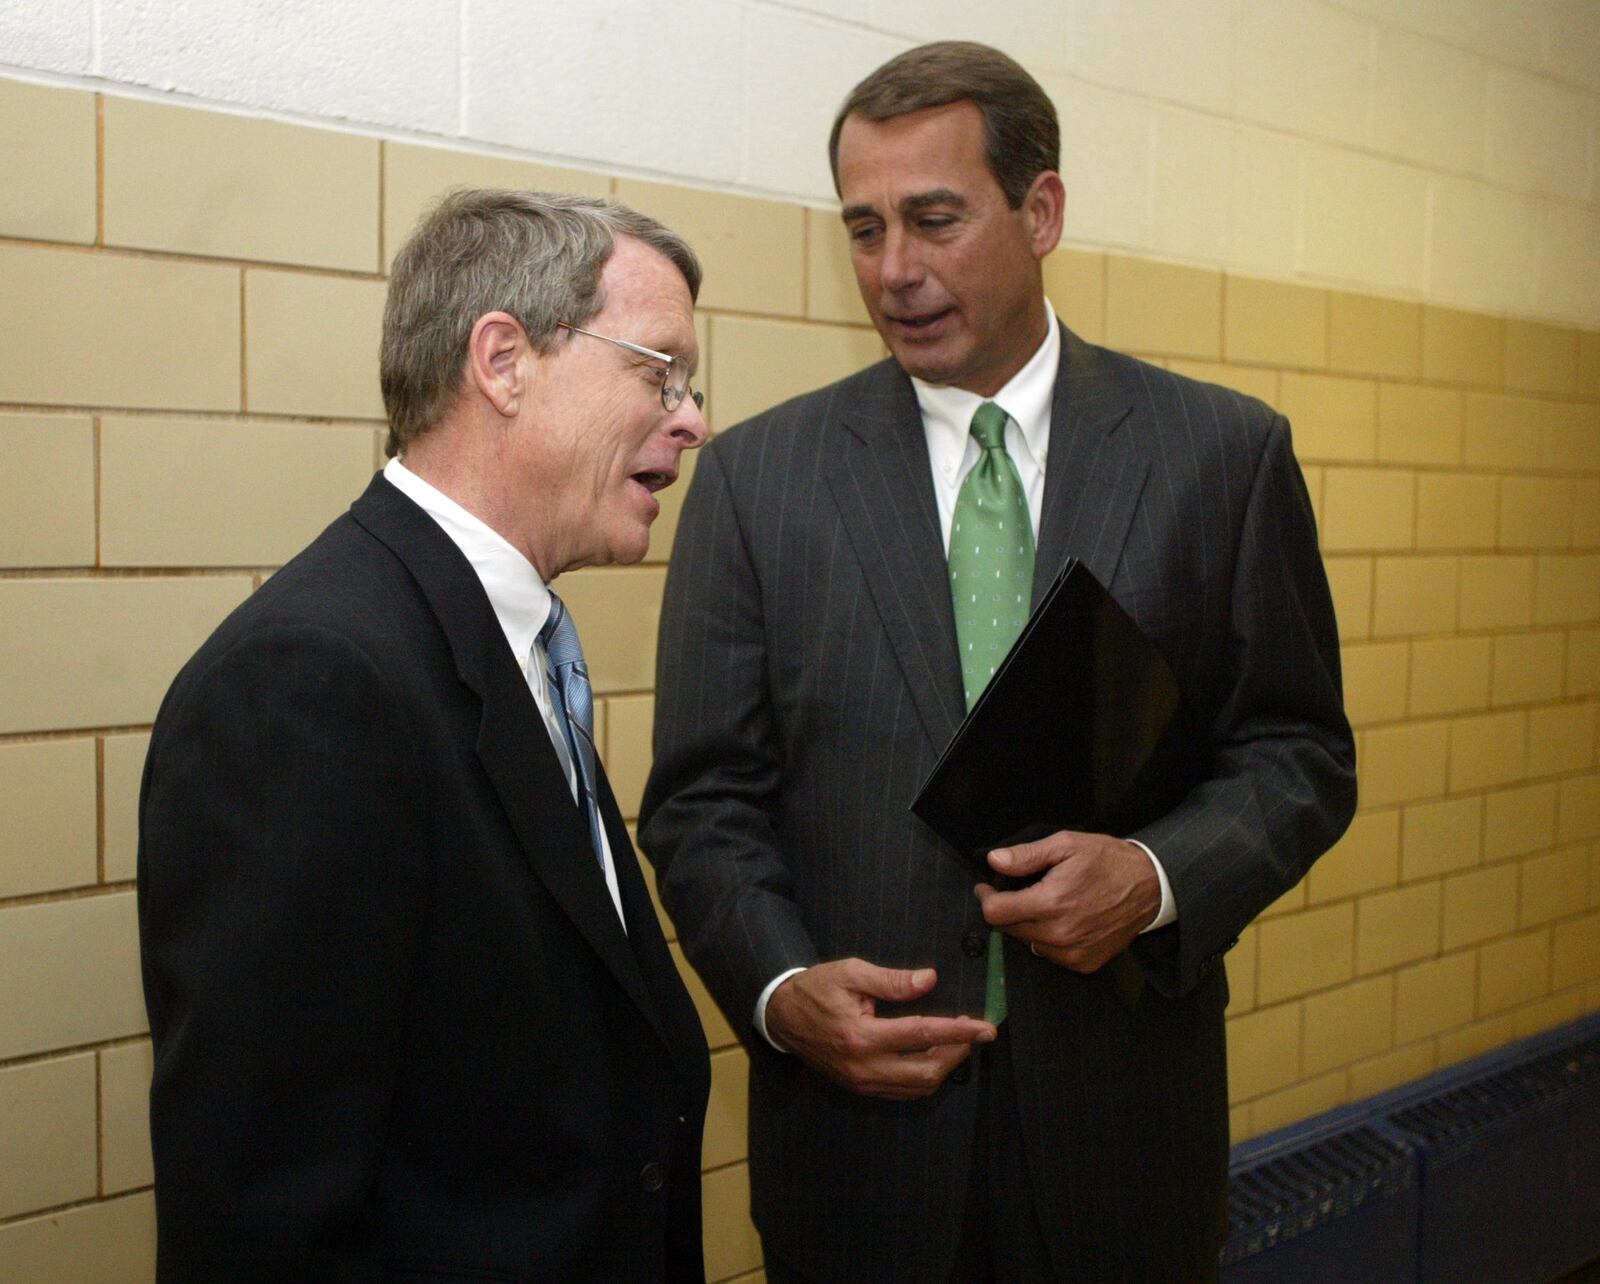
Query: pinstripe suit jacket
{"type": "Point", "coordinates": [808, 679]}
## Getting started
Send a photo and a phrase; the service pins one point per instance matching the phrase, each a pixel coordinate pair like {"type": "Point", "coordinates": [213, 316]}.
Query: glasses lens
{"type": "Point", "coordinates": [675, 384]}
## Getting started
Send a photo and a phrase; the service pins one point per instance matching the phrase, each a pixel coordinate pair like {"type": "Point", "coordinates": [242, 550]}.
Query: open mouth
{"type": "Point", "coordinates": [924, 321]}
{"type": "Point", "coordinates": [653, 482]}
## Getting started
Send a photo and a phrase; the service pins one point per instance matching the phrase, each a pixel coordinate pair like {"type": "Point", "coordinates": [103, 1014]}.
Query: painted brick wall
{"type": "Point", "coordinates": [189, 307]}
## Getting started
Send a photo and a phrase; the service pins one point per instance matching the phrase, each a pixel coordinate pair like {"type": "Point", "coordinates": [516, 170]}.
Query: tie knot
{"type": "Point", "coordinates": [989, 426]}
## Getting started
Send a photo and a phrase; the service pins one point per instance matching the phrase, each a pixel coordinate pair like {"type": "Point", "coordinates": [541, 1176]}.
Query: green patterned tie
{"type": "Point", "coordinates": [991, 582]}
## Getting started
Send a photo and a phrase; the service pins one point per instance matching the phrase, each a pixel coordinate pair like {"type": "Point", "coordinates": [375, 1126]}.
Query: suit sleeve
{"type": "Point", "coordinates": [706, 819]}
{"type": "Point", "coordinates": [1281, 786]}
{"type": "Point", "coordinates": [282, 885]}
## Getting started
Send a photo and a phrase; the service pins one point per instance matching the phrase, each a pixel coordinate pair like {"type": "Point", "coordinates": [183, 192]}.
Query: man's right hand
{"type": "Point", "coordinates": [827, 1016]}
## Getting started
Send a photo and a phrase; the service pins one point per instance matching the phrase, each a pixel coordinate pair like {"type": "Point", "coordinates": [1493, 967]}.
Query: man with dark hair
{"type": "Point", "coordinates": [848, 570]}
{"type": "Point", "coordinates": [414, 1017]}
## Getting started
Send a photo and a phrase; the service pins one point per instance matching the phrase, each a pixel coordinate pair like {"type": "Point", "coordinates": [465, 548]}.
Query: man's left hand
{"type": "Point", "coordinates": [1096, 895]}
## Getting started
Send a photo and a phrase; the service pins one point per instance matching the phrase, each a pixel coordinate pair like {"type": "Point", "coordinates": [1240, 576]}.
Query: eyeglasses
{"type": "Point", "coordinates": [676, 382]}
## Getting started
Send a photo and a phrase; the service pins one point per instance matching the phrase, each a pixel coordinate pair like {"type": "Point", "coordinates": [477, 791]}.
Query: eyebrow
{"type": "Point", "coordinates": [912, 204]}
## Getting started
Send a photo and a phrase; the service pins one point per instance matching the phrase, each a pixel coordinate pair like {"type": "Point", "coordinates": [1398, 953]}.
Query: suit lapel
{"type": "Point", "coordinates": [884, 492]}
{"type": "Point", "coordinates": [515, 752]}
{"type": "Point", "coordinates": [1095, 472]}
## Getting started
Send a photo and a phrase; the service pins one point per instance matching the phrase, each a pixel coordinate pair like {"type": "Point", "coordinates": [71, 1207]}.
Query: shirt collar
{"type": "Point", "coordinates": [947, 411]}
{"type": "Point", "coordinates": [516, 591]}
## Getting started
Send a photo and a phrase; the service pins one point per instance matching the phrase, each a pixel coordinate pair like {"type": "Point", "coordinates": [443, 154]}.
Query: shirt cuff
{"type": "Point", "coordinates": [1168, 913]}
{"type": "Point", "coordinates": [761, 1001]}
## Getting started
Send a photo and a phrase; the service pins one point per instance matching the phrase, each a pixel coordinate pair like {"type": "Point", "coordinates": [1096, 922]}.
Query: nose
{"type": "Point", "coordinates": [899, 268]}
{"type": "Point", "coordinates": [687, 424]}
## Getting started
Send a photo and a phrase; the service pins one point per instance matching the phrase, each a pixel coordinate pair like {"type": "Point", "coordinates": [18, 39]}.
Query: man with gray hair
{"type": "Point", "coordinates": [414, 1017]}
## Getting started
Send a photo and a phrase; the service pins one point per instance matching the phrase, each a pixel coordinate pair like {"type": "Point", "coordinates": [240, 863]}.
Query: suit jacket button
{"type": "Point", "coordinates": [963, 1072]}
{"type": "Point", "coordinates": [975, 944]}
{"type": "Point", "coordinates": [652, 1178]}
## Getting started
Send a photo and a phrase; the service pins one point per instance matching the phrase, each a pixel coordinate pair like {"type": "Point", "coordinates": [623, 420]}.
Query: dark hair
{"type": "Point", "coordinates": [1021, 136]}
{"type": "Point", "coordinates": [535, 255]}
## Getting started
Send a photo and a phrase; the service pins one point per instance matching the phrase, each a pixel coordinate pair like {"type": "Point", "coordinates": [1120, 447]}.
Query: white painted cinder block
{"type": "Point", "coordinates": [385, 64]}
{"type": "Point", "coordinates": [1174, 50]}
{"type": "Point", "coordinates": [1573, 42]}
{"type": "Point", "coordinates": [1034, 32]}
{"type": "Point", "coordinates": [1106, 142]}
{"type": "Point", "coordinates": [1305, 67]}
{"type": "Point", "coordinates": [1194, 157]}
{"type": "Point", "coordinates": [1363, 220]}
{"type": "Point", "coordinates": [1429, 102]}
{"type": "Point", "coordinates": [798, 72]}
{"type": "Point", "coordinates": [1264, 221]}
{"type": "Point", "coordinates": [1511, 30]}
{"type": "Point", "coordinates": [1569, 263]}
{"type": "Point", "coordinates": [624, 83]}
{"type": "Point", "coordinates": [1538, 134]}
{"type": "Point", "coordinates": [48, 37]}
{"type": "Point", "coordinates": [1483, 251]}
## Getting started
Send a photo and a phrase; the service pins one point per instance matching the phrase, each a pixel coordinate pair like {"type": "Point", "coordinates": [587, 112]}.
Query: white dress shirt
{"type": "Point", "coordinates": [521, 602]}
{"type": "Point", "coordinates": [952, 454]}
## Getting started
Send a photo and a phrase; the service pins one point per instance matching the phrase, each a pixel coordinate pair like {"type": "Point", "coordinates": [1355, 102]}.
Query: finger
{"type": "Point", "coordinates": [915, 1075]}
{"type": "Point", "coordinates": [1022, 859]}
{"type": "Point", "coordinates": [917, 1034]}
{"type": "Point", "coordinates": [891, 983]}
{"type": "Point", "coordinates": [1008, 909]}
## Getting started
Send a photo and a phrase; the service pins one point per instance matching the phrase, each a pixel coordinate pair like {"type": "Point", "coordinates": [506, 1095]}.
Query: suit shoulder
{"type": "Point", "coordinates": [1168, 390]}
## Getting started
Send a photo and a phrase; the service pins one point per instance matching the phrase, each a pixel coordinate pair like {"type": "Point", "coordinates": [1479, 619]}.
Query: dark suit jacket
{"type": "Point", "coordinates": [400, 1033]}
{"type": "Point", "coordinates": [808, 681]}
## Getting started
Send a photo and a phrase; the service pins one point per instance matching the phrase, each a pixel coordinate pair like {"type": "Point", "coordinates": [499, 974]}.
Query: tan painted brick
{"type": "Point", "coordinates": [1561, 738]}
{"type": "Point", "coordinates": [665, 527]}
{"type": "Point", "coordinates": [1333, 418]}
{"type": "Point", "coordinates": [753, 251]}
{"type": "Point", "coordinates": [69, 974]}
{"type": "Point", "coordinates": [731, 1242]}
{"type": "Point", "coordinates": [617, 610]}
{"type": "Point", "coordinates": [1435, 996]}
{"type": "Point", "coordinates": [162, 334]}
{"type": "Point", "coordinates": [1513, 971]}
{"type": "Point", "coordinates": [312, 345]}
{"type": "Point", "coordinates": [46, 487]}
{"type": "Point", "coordinates": [627, 758]}
{"type": "Point", "coordinates": [1347, 1024]}
{"type": "Point", "coordinates": [1162, 308]}
{"type": "Point", "coordinates": [1518, 821]}
{"type": "Point", "coordinates": [1395, 927]}
{"type": "Point", "coordinates": [1365, 858]}
{"type": "Point", "coordinates": [1306, 951]}
{"type": "Point", "coordinates": [1263, 1051]}
{"type": "Point", "coordinates": [1546, 1014]}
{"type": "Point", "coordinates": [1075, 284]}
{"type": "Point", "coordinates": [831, 290]}
{"type": "Point", "coordinates": [761, 363]}
{"type": "Point", "coordinates": [1438, 837]}
{"type": "Point", "coordinates": [1368, 509]}
{"type": "Point", "coordinates": [47, 815]}
{"type": "Point", "coordinates": [1302, 1101]}
{"type": "Point", "coordinates": [99, 653]}
{"type": "Point", "coordinates": [1503, 432]}
{"type": "Point", "coordinates": [1314, 475]}
{"type": "Point", "coordinates": [1488, 749]}
{"type": "Point", "coordinates": [1578, 809]}
{"type": "Point", "coordinates": [1239, 1126]}
{"type": "Point", "coordinates": [1390, 1070]}
{"type": "Point", "coordinates": [1476, 1039]}
{"type": "Point", "coordinates": [725, 1141]}
{"type": "Point", "coordinates": [1350, 582]}
{"type": "Point", "coordinates": [113, 1242]}
{"type": "Point", "coordinates": [1585, 514]}
{"type": "Point", "coordinates": [1569, 435]}
{"type": "Point", "coordinates": [225, 186]}
{"type": "Point", "coordinates": [1589, 363]}
{"type": "Point", "coordinates": [1528, 667]}
{"type": "Point", "coordinates": [1292, 900]}
{"type": "Point", "coordinates": [1449, 675]}
{"type": "Point", "coordinates": [718, 1032]}
{"type": "Point", "coordinates": [1554, 885]}
{"type": "Point", "coordinates": [47, 1134]}
{"type": "Point", "coordinates": [1414, 595]}
{"type": "Point", "coordinates": [190, 493]}
{"type": "Point", "coordinates": [1375, 681]}
{"type": "Point", "coordinates": [1496, 592]}
{"type": "Point", "coordinates": [1594, 876]}
{"type": "Point", "coordinates": [1403, 763]}
{"type": "Point", "coordinates": [1253, 381]}
{"type": "Point", "coordinates": [125, 1111]}
{"type": "Point", "coordinates": [1241, 963]}
{"type": "Point", "coordinates": [1479, 905]}
{"type": "Point", "coordinates": [1456, 510]}
{"type": "Point", "coordinates": [1370, 335]}
{"type": "Point", "coordinates": [1535, 512]}
{"type": "Point", "coordinates": [1567, 590]}
{"type": "Point", "coordinates": [47, 149]}
{"type": "Point", "coordinates": [1420, 425]}
{"type": "Point", "coordinates": [1274, 323]}
{"type": "Point", "coordinates": [415, 177]}
{"type": "Point", "coordinates": [1583, 662]}
{"type": "Point", "coordinates": [1541, 357]}
{"type": "Point", "coordinates": [1577, 952]}
{"type": "Point", "coordinates": [1463, 347]}
{"type": "Point", "coordinates": [122, 770]}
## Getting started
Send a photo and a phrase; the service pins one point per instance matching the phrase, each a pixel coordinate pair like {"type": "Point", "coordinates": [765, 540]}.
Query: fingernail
{"type": "Point", "coordinates": [1001, 855]}
{"type": "Point", "coordinates": [922, 976]}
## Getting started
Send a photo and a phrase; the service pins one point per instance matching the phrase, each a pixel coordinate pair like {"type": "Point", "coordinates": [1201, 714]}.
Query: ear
{"type": "Point", "coordinates": [494, 366]}
{"type": "Point", "coordinates": [1043, 210]}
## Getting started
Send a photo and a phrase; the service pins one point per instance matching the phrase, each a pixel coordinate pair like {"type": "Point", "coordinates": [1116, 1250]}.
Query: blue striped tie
{"type": "Point", "coordinates": [568, 677]}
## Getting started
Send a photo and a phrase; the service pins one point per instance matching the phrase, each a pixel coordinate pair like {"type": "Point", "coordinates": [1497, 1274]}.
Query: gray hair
{"type": "Point", "coordinates": [535, 255]}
